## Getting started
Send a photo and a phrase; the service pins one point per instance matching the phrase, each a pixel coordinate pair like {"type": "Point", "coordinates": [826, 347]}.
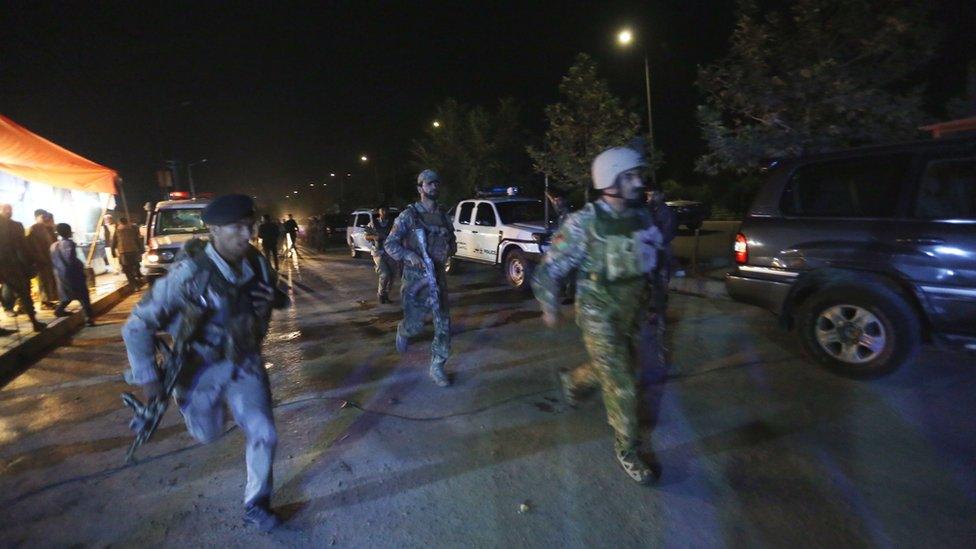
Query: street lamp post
{"type": "Point", "coordinates": [625, 37]}
{"type": "Point", "coordinates": [189, 173]}
{"type": "Point", "coordinates": [376, 177]}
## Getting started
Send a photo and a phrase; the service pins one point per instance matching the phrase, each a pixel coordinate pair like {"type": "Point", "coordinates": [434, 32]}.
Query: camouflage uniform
{"type": "Point", "coordinates": [441, 246]}
{"type": "Point", "coordinates": [225, 367]}
{"type": "Point", "coordinates": [612, 303]}
{"type": "Point", "coordinates": [386, 266]}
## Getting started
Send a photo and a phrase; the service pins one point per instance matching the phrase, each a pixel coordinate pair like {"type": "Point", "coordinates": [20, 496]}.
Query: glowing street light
{"type": "Point", "coordinates": [294, 192]}
{"type": "Point", "coordinates": [436, 124]}
{"type": "Point", "coordinates": [625, 37]}
{"type": "Point", "coordinates": [331, 175]}
{"type": "Point", "coordinates": [363, 158]}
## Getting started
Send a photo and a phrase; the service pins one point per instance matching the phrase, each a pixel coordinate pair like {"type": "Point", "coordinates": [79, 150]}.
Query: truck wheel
{"type": "Point", "coordinates": [859, 331]}
{"type": "Point", "coordinates": [518, 270]}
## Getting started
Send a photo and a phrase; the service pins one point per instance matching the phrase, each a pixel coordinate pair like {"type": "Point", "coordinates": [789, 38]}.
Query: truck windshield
{"type": "Point", "coordinates": [186, 221]}
{"type": "Point", "coordinates": [520, 212]}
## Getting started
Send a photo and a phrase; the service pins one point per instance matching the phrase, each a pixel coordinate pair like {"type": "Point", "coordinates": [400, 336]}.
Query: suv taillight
{"type": "Point", "coordinates": [741, 249]}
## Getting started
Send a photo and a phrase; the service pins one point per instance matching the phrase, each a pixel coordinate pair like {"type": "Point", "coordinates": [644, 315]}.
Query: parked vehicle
{"type": "Point", "coordinates": [169, 224]}
{"type": "Point", "coordinates": [866, 253]}
{"type": "Point", "coordinates": [356, 229]}
{"type": "Point", "coordinates": [691, 214]}
{"type": "Point", "coordinates": [335, 226]}
{"type": "Point", "coordinates": [507, 231]}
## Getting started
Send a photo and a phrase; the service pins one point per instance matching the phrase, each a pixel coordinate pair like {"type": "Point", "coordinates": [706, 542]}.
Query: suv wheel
{"type": "Point", "coordinates": [859, 331]}
{"type": "Point", "coordinates": [518, 270]}
{"type": "Point", "coordinates": [352, 251]}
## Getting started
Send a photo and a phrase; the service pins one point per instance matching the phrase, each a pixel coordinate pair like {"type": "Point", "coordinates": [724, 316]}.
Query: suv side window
{"type": "Point", "coordinates": [948, 190]}
{"type": "Point", "coordinates": [485, 216]}
{"type": "Point", "coordinates": [363, 220]}
{"type": "Point", "coordinates": [464, 217]}
{"type": "Point", "coordinates": [862, 188]}
{"type": "Point", "coordinates": [352, 220]}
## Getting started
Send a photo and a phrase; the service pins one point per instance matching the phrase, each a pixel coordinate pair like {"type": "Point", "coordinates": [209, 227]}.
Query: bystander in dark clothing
{"type": "Point", "coordinates": [71, 274]}
{"type": "Point", "coordinates": [15, 266]}
{"type": "Point", "coordinates": [269, 232]}
{"type": "Point", "coordinates": [291, 227]}
{"type": "Point", "coordinates": [127, 246]}
{"type": "Point", "coordinates": [40, 236]}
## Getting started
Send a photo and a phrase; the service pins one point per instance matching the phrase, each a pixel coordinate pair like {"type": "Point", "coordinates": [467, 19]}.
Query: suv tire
{"type": "Point", "coordinates": [353, 252]}
{"type": "Point", "coordinates": [859, 331]}
{"type": "Point", "coordinates": [518, 270]}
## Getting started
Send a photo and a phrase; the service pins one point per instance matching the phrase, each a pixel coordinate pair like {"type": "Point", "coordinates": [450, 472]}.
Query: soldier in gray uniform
{"type": "Point", "coordinates": [403, 245]}
{"type": "Point", "coordinates": [386, 267]}
{"type": "Point", "coordinates": [226, 289]}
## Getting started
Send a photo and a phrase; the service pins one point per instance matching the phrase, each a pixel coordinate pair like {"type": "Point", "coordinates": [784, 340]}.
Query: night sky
{"type": "Point", "coordinates": [277, 95]}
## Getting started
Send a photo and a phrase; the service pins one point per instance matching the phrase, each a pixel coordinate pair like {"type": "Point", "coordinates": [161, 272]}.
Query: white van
{"type": "Point", "coordinates": [168, 226]}
{"type": "Point", "coordinates": [356, 230]}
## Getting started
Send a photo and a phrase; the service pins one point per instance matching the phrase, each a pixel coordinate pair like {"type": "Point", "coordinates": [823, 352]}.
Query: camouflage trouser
{"type": "Point", "coordinates": [415, 311]}
{"type": "Point", "coordinates": [386, 268]}
{"type": "Point", "coordinates": [610, 334]}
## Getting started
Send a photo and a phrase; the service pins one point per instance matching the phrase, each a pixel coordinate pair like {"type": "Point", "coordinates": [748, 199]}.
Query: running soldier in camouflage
{"type": "Point", "coordinates": [402, 245]}
{"type": "Point", "coordinates": [612, 244]}
{"type": "Point", "coordinates": [228, 288]}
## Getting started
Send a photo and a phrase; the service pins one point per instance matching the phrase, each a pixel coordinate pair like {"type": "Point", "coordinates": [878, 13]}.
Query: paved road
{"type": "Point", "coordinates": [758, 446]}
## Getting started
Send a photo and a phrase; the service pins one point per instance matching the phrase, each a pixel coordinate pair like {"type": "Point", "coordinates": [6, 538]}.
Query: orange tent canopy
{"type": "Point", "coordinates": [31, 157]}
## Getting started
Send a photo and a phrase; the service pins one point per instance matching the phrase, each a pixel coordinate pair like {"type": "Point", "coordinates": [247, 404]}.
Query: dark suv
{"type": "Point", "coordinates": [866, 253]}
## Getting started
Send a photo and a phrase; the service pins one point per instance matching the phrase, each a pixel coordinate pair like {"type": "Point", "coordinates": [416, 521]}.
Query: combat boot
{"type": "Point", "coordinates": [438, 375]}
{"type": "Point", "coordinates": [634, 466]}
{"type": "Point", "coordinates": [570, 395]}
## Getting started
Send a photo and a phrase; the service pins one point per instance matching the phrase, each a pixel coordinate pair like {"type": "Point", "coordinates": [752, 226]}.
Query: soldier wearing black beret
{"type": "Point", "coordinates": [217, 301]}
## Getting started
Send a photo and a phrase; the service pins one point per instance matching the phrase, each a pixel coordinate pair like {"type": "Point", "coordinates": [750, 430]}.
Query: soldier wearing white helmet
{"type": "Point", "coordinates": [612, 246]}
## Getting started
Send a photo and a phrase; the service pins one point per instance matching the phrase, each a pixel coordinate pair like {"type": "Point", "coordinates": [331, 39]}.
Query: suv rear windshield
{"type": "Point", "coordinates": [864, 187]}
{"type": "Point", "coordinates": [185, 221]}
{"type": "Point", "coordinates": [520, 212]}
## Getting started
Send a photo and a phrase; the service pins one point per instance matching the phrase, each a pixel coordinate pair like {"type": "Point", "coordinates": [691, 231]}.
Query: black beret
{"type": "Point", "coordinates": [227, 209]}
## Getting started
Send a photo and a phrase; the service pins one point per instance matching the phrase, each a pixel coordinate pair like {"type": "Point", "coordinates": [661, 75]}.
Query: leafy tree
{"type": "Point", "coordinates": [474, 148]}
{"type": "Point", "coordinates": [588, 120]}
{"type": "Point", "coordinates": [818, 75]}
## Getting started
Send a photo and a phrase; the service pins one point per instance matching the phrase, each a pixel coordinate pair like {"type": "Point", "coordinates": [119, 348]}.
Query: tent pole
{"type": "Point", "coordinates": [98, 223]}
{"type": "Point", "coordinates": [119, 184]}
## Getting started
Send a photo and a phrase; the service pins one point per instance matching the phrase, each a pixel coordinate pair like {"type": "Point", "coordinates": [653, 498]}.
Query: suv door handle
{"type": "Point", "coordinates": [474, 232]}
{"type": "Point", "coordinates": [924, 240]}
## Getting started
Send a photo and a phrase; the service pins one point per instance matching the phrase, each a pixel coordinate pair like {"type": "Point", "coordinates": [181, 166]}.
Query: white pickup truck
{"type": "Point", "coordinates": [506, 231]}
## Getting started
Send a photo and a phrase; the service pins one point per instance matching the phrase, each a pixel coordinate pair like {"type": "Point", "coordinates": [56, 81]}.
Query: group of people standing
{"type": "Point", "coordinates": [225, 290]}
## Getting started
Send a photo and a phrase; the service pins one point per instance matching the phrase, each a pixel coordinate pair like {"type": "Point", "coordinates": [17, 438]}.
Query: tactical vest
{"type": "Point", "coordinates": [613, 253]}
{"type": "Point", "coordinates": [382, 231]}
{"type": "Point", "coordinates": [230, 326]}
{"type": "Point", "coordinates": [438, 229]}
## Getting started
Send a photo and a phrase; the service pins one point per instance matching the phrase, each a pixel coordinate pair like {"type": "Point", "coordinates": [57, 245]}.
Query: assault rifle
{"type": "Point", "coordinates": [147, 416]}
{"type": "Point", "coordinates": [430, 277]}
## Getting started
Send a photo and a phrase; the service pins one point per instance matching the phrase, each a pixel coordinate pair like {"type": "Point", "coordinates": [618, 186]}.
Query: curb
{"type": "Point", "coordinates": [17, 359]}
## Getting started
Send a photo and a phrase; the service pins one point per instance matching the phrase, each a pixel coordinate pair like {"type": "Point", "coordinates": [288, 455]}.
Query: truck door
{"type": "Point", "coordinates": [486, 237]}
{"type": "Point", "coordinates": [463, 230]}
